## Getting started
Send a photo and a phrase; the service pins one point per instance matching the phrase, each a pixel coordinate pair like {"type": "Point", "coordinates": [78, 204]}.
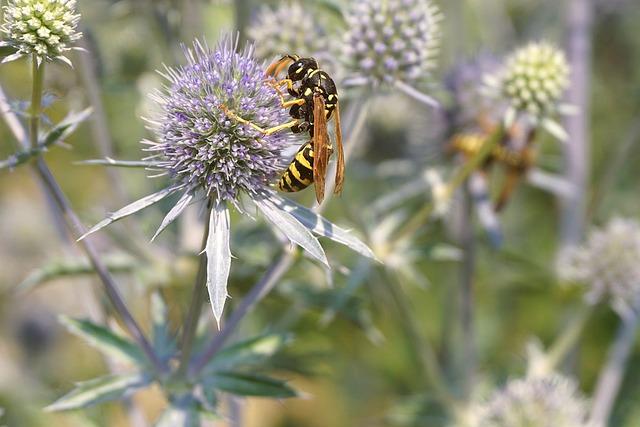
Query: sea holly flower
{"type": "Point", "coordinates": [392, 42]}
{"type": "Point", "coordinates": [608, 263]}
{"type": "Point", "coordinates": [289, 28]}
{"type": "Point", "coordinates": [532, 81]}
{"type": "Point", "coordinates": [535, 401]}
{"type": "Point", "coordinates": [44, 28]}
{"type": "Point", "coordinates": [212, 158]}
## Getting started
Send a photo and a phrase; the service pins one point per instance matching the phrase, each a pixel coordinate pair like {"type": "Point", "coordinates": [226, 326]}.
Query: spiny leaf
{"type": "Point", "coordinates": [218, 258]}
{"type": "Point", "coordinates": [323, 227]}
{"type": "Point", "coordinates": [175, 211]}
{"type": "Point", "coordinates": [250, 385]}
{"type": "Point", "coordinates": [292, 228]}
{"type": "Point", "coordinates": [132, 208]}
{"type": "Point", "coordinates": [250, 351]}
{"type": "Point", "coordinates": [70, 268]}
{"type": "Point", "coordinates": [97, 390]}
{"type": "Point", "coordinates": [104, 340]}
{"type": "Point", "coordinates": [108, 161]}
{"type": "Point", "coordinates": [163, 341]}
{"type": "Point", "coordinates": [65, 128]}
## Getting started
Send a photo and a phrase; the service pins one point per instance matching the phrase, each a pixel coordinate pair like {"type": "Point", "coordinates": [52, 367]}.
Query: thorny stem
{"type": "Point", "coordinates": [466, 292]}
{"type": "Point", "coordinates": [272, 275]}
{"type": "Point", "coordinates": [259, 291]}
{"type": "Point", "coordinates": [567, 339]}
{"type": "Point", "coordinates": [417, 220]}
{"type": "Point", "coordinates": [36, 100]}
{"type": "Point", "coordinates": [73, 222]}
{"type": "Point", "coordinates": [423, 350]}
{"type": "Point", "coordinates": [198, 297]}
{"type": "Point", "coordinates": [610, 378]}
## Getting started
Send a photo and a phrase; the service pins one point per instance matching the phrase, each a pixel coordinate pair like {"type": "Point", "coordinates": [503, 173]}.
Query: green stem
{"type": "Point", "coordinates": [566, 340]}
{"type": "Point", "coordinates": [74, 224]}
{"type": "Point", "coordinates": [198, 298]}
{"type": "Point", "coordinates": [416, 222]}
{"type": "Point", "coordinates": [36, 101]}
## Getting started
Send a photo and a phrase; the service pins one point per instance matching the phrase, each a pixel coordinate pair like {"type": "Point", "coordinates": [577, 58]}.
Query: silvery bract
{"type": "Point", "coordinates": [45, 28]}
{"type": "Point", "coordinates": [608, 262]}
{"type": "Point", "coordinates": [537, 401]}
{"type": "Point", "coordinates": [392, 41]}
{"type": "Point", "coordinates": [212, 158]}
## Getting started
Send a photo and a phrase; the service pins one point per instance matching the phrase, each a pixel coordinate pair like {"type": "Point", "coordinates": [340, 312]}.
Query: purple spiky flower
{"type": "Point", "coordinates": [212, 155]}
{"type": "Point", "coordinates": [198, 145]}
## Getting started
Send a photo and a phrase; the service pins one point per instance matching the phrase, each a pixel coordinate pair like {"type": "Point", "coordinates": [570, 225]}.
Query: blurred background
{"type": "Point", "coordinates": [357, 351]}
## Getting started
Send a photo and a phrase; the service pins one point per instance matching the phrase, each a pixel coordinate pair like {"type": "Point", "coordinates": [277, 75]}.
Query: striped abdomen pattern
{"type": "Point", "coordinates": [299, 174]}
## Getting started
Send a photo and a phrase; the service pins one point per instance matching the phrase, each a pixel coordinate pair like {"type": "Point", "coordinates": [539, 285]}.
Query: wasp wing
{"type": "Point", "coordinates": [340, 163]}
{"type": "Point", "coordinates": [321, 151]}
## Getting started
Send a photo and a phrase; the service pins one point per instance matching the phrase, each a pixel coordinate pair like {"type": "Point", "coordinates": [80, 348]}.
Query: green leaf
{"type": "Point", "coordinates": [70, 268]}
{"type": "Point", "coordinates": [104, 340]}
{"type": "Point", "coordinates": [97, 390]}
{"type": "Point", "coordinates": [65, 128]}
{"type": "Point", "coordinates": [247, 352]}
{"type": "Point", "coordinates": [164, 342]}
{"type": "Point", "coordinates": [249, 385]}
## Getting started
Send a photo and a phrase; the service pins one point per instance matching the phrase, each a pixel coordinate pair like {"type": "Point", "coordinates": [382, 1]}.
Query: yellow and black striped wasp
{"type": "Point", "coordinates": [314, 103]}
{"type": "Point", "coordinates": [516, 162]}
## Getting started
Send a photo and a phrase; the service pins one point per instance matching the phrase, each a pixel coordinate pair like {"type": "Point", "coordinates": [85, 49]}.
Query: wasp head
{"type": "Point", "coordinates": [301, 67]}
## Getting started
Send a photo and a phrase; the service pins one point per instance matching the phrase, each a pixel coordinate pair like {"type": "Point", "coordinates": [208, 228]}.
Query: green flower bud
{"type": "Point", "coordinates": [45, 28]}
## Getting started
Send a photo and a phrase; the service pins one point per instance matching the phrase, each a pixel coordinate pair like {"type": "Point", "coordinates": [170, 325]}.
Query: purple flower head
{"type": "Point", "coordinates": [198, 144]}
{"type": "Point", "coordinates": [383, 31]}
{"type": "Point", "coordinates": [208, 151]}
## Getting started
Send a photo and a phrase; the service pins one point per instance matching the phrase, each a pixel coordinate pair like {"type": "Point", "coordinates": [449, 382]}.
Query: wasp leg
{"type": "Point", "coordinates": [286, 104]}
{"type": "Point", "coordinates": [268, 131]}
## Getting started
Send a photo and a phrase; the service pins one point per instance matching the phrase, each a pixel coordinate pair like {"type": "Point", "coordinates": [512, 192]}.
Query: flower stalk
{"type": "Point", "coordinates": [418, 219]}
{"type": "Point", "coordinates": [198, 298]}
{"type": "Point", "coordinates": [37, 70]}
{"type": "Point", "coordinates": [610, 378]}
{"type": "Point", "coordinates": [73, 222]}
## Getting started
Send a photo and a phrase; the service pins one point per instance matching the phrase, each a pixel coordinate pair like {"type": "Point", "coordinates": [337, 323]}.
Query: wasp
{"type": "Point", "coordinates": [314, 103]}
{"type": "Point", "coordinates": [516, 162]}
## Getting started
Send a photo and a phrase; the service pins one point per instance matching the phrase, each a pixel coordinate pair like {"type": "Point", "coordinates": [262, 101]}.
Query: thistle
{"type": "Point", "coordinates": [608, 263]}
{"type": "Point", "coordinates": [290, 28]}
{"type": "Point", "coordinates": [44, 28]}
{"type": "Point", "coordinates": [545, 401]}
{"type": "Point", "coordinates": [215, 159]}
{"type": "Point", "coordinates": [532, 81]}
{"type": "Point", "coordinates": [392, 42]}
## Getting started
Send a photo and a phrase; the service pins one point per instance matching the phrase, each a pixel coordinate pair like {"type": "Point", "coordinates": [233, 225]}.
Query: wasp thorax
{"type": "Point", "coordinates": [199, 144]}
{"type": "Point", "coordinates": [392, 40]}
{"type": "Point", "coordinates": [301, 68]}
{"type": "Point", "coordinates": [41, 27]}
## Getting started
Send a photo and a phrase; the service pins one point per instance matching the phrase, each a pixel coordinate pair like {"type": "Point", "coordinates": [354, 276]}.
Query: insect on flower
{"type": "Point", "coordinates": [315, 103]}
{"type": "Point", "coordinates": [209, 156]}
{"type": "Point", "coordinates": [514, 153]}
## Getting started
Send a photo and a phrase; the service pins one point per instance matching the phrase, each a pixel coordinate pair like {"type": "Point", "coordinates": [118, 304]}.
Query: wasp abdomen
{"type": "Point", "coordinates": [299, 174]}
